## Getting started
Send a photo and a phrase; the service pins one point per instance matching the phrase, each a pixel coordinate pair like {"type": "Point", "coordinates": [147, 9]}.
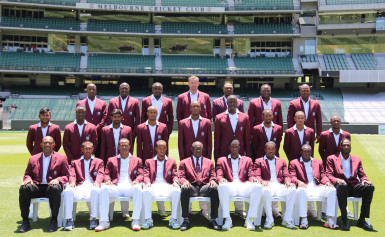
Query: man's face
{"type": "Point", "coordinates": [335, 121]}
{"type": "Point", "coordinates": [87, 149]}
{"type": "Point", "coordinates": [124, 90]}
{"type": "Point", "coordinates": [270, 151]}
{"type": "Point", "coordinates": [299, 119]}
{"type": "Point", "coordinates": [124, 147]}
{"type": "Point", "coordinates": [267, 116]}
{"type": "Point", "coordinates": [228, 90]}
{"type": "Point", "coordinates": [152, 113]}
{"type": "Point", "coordinates": [47, 145]}
{"type": "Point", "coordinates": [197, 149]}
{"type": "Point", "coordinates": [80, 113]}
{"type": "Point", "coordinates": [346, 147]}
{"type": "Point", "coordinates": [265, 92]}
{"type": "Point", "coordinates": [193, 84]}
{"type": "Point", "coordinates": [91, 91]}
{"type": "Point", "coordinates": [305, 92]}
{"type": "Point", "coordinates": [157, 90]}
{"type": "Point", "coordinates": [234, 148]}
{"type": "Point", "coordinates": [116, 119]}
{"type": "Point", "coordinates": [161, 149]}
{"type": "Point", "coordinates": [306, 153]}
{"type": "Point", "coordinates": [195, 108]}
{"type": "Point", "coordinates": [232, 104]}
{"type": "Point", "coordinates": [44, 118]}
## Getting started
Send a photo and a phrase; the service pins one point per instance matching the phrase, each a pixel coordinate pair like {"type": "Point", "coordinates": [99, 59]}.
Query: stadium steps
{"type": "Point", "coordinates": [351, 63]}
{"type": "Point", "coordinates": [322, 62]}
{"type": "Point", "coordinates": [158, 63]}
{"type": "Point", "coordinates": [83, 62]}
{"type": "Point", "coordinates": [264, 65]}
{"type": "Point", "coordinates": [297, 4]}
{"type": "Point", "coordinates": [297, 65]}
{"type": "Point", "coordinates": [230, 29]}
{"type": "Point", "coordinates": [380, 59]}
{"type": "Point", "coordinates": [231, 63]}
{"type": "Point", "coordinates": [231, 4]}
{"type": "Point", "coordinates": [190, 64]}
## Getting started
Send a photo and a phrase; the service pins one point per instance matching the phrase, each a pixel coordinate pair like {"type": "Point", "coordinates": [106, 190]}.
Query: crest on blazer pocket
{"type": "Point", "coordinates": [98, 113]}
{"type": "Point", "coordinates": [204, 106]}
{"type": "Point", "coordinates": [275, 113]}
{"type": "Point", "coordinates": [134, 171]}
{"type": "Point", "coordinates": [55, 172]}
{"type": "Point", "coordinates": [159, 136]}
{"type": "Point", "coordinates": [130, 113]}
{"type": "Point", "coordinates": [203, 133]}
{"type": "Point", "coordinates": [208, 174]}
{"type": "Point", "coordinates": [275, 139]}
{"type": "Point", "coordinates": [307, 142]}
{"type": "Point", "coordinates": [165, 112]}
{"type": "Point", "coordinates": [244, 171]}
{"type": "Point", "coordinates": [241, 128]}
{"type": "Point", "coordinates": [313, 113]}
{"type": "Point", "coordinates": [87, 138]}
{"type": "Point", "coordinates": [95, 173]}
{"type": "Point", "coordinates": [169, 173]}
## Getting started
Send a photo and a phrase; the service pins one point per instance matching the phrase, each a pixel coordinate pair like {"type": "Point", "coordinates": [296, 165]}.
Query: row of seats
{"type": "Point", "coordinates": [364, 61]}
{"type": "Point", "coordinates": [309, 58]}
{"type": "Point", "coordinates": [348, 2]}
{"type": "Point", "coordinates": [195, 3]}
{"type": "Point", "coordinates": [40, 23]}
{"type": "Point", "coordinates": [193, 28]}
{"type": "Point", "coordinates": [335, 62]}
{"type": "Point", "coordinates": [120, 26]}
{"type": "Point", "coordinates": [50, 2]}
{"type": "Point", "coordinates": [194, 65]}
{"type": "Point", "coordinates": [125, 2]}
{"type": "Point", "coordinates": [264, 65]}
{"type": "Point", "coordinates": [251, 28]}
{"type": "Point", "coordinates": [121, 63]}
{"type": "Point", "coordinates": [264, 5]}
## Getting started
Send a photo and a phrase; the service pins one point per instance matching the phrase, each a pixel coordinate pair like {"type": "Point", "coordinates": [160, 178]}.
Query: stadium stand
{"type": "Point", "coordinates": [126, 2]}
{"type": "Point", "coordinates": [194, 64]}
{"type": "Point", "coordinates": [310, 58]}
{"type": "Point", "coordinates": [264, 65]}
{"type": "Point", "coordinates": [121, 63]}
{"type": "Point", "coordinates": [264, 5]}
{"type": "Point", "coordinates": [120, 26]}
{"type": "Point", "coordinates": [348, 2]}
{"type": "Point", "coordinates": [195, 3]}
{"type": "Point", "coordinates": [50, 2]}
{"type": "Point", "coordinates": [193, 28]}
{"type": "Point", "coordinates": [335, 62]}
{"type": "Point", "coordinates": [364, 61]}
{"type": "Point", "coordinates": [251, 28]}
{"type": "Point", "coordinates": [40, 23]}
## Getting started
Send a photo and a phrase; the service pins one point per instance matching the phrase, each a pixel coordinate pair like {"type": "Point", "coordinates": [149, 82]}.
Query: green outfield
{"type": "Point", "coordinates": [14, 157]}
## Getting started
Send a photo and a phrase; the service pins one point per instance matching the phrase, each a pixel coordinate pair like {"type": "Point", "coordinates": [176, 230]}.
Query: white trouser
{"type": "Point", "coordinates": [276, 189]}
{"type": "Point", "coordinates": [313, 190]}
{"type": "Point", "coordinates": [161, 190]}
{"type": "Point", "coordinates": [239, 189]}
{"type": "Point", "coordinates": [86, 191]}
{"type": "Point", "coordinates": [120, 190]}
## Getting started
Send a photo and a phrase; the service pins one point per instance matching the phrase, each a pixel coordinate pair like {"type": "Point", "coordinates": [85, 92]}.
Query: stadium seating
{"type": "Point", "coordinates": [264, 65]}
{"type": "Point", "coordinates": [40, 23]}
{"type": "Point", "coordinates": [50, 2]}
{"type": "Point", "coordinates": [121, 63]}
{"type": "Point", "coordinates": [264, 5]}
{"type": "Point", "coordinates": [364, 61]}
{"type": "Point", "coordinates": [251, 28]}
{"type": "Point", "coordinates": [60, 91]}
{"type": "Point", "coordinates": [125, 2]}
{"type": "Point", "coordinates": [40, 61]}
{"type": "Point", "coordinates": [309, 58]}
{"type": "Point", "coordinates": [193, 28]}
{"type": "Point", "coordinates": [348, 2]}
{"type": "Point", "coordinates": [195, 3]}
{"type": "Point", "coordinates": [120, 26]}
{"type": "Point", "coordinates": [336, 62]}
{"type": "Point", "coordinates": [194, 65]}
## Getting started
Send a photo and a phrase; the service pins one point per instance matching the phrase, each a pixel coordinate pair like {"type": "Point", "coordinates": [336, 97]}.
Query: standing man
{"type": "Point", "coordinates": [162, 104]}
{"type": "Point", "coordinates": [86, 176]}
{"type": "Point", "coordinates": [45, 176]}
{"type": "Point", "coordinates": [230, 125]}
{"type": "Point", "coordinates": [236, 179]}
{"type": "Point", "coordinates": [311, 109]}
{"type": "Point", "coordinates": [194, 128]}
{"type": "Point", "coordinates": [258, 105]}
{"type": "Point", "coordinates": [76, 133]}
{"type": "Point", "coordinates": [161, 179]}
{"type": "Point", "coordinates": [185, 99]}
{"type": "Point", "coordinates": [37, 132]}
{"type": "Point", "coordinates": [297, 136]}
{"type": "Point", "coordinates": [220, 104]}
{"type": "Point", "coordinates": [346, 173]}
{"type": "Point", "coordinates": [96, 112]}
{"type": "Point", "coordinates": [197, 176]}
{"type": "Point", "coordinates": [123, 177]}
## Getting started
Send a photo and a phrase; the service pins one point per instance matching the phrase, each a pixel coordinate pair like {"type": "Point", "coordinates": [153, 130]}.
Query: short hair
{"type": "Point", "coordinates": [81, 106]}
{"type": "Point", "coordinates": [265, 85]}
{"type": "Point", "coordinates": [116, 111]}
{"type": "Point", "coordinates": [44, 110]}
{"type": "Point", "coordinates": [299, 112]}
{"type": "Point", "coordinates": [157, 84]}
{"type": "Point", "coordinates": [303, 85]}
{"type": "Point", "coordinates": [156, 144]}
{"type": "Point", "coordinates": [266, 110]}
{"type": "Point", "coordinates": [232, 140]}
{"type": "Point", "coordinates": [305, 145]}
{"type": "Point", "coordinates": [344, 139]}
{"type": "Point", "coordinates": [53, 140]}
{"type": "Point", "coordinates": [85, 142]}
{"type": "Point", "coordinates": [270, 143]}
{"type": "Point", "coordinates": [231, 97]}
{"type": "Point", "coordinates": [193, 77]}
{"type": "Point", "coordinates": [124, 139]}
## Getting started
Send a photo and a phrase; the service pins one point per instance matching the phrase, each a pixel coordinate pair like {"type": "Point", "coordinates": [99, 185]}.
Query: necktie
{"type": "Point", "coordinates": [197, 167]}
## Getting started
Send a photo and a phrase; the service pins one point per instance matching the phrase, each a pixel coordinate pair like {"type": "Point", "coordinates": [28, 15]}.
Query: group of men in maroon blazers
{"type": "Point", "coordinates": [253, 131]}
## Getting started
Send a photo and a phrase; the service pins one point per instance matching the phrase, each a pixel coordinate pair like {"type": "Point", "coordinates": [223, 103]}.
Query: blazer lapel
{"type": "Point", "coordinates": [229, 124]}
{"type": "Point", "coordinates": [265, 135]}
{"type": "Point", "coordinates": [351, 166]}
{"type": "Point", "coordinates": [230, 166]}
{"type": "Point", "coordinates": [268, 167]}
{"type": "Point", "coordinates": [117, 175]}
{"type": "Point", "coordinates": [130, 168]}
{"type": "Point", "coordinates": [304, 170]}
{"type": "Point", "coordinates": [82, 167]}
{"type": "Point", "coordinates": [240, 163]}
{"type": "Point", "coordinates": [224, 105]}
{"type": "Point", "coordinates": [88, 107]}
{"type": "Point", "coordinates": [41, 167]}
{"type": "Point", "coordinates": [193, 167]}
{"type": "Point", "coordinates": [51, 163]}
{"type": "Point", "coordinates": [276, 168]}
{"type": "Point", "coordinates": [92, 164]}
{"type": "Point", "coordinates": [316, 175]}
{"type": "Point", "coordinates": [192, 129]}
{"type": "Point", "coordinates": [164, 169]}
{"type": "Point", "coordinates": [297, 136]}
{"type": "Point", "coordinates": [302, 107]}
{"type": "Point", "coordinates": [163, 107]}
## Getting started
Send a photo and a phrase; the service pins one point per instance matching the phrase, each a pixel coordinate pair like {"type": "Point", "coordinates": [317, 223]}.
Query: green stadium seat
{"type": "Point", "coordinates": [121, 63]}
{"type": "Point", "coordinates": [50, 2]}
{"type": "Point", "coordinates": [120, 26]}
{"type": "Point", "coordinates": [364, 61]}
{"type": "Point", "coordinates": [193, 28]}
{"type": "Point", "coordinates": [194, 65]}
{"type": "Point", "coordinates": [264, 65]}
{"type": "Point", "coordinates": [264, 5]}
{"type": "Point", "coordinates": [40, 23]}
{"type": "Point", "coordinates": [251, 28]}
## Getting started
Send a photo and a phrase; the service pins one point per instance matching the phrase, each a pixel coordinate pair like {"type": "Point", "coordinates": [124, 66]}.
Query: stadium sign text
{"type": "Point", "coordinates": [118, 7]}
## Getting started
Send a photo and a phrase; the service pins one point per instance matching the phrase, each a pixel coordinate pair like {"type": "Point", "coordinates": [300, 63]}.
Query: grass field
{"type": "Point", "coordinates": [14, 157]}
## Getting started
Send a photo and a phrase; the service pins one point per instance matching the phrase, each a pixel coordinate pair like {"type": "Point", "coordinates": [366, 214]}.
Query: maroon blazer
{"type": "Point", "coordinates": [57, 169]}
{"type": "Point", "coordinates": [219, 106]}
{"type": "Point", "coordinates": [262, 170]}
{"type": "Point", "coordinates": [98, 118]}
{"type": "Point", "coordinates": [107, 146]}
{"type": "Point", "coordinates": [170, 174]}
{"type": "Point", "coordinates": [96, 171]}
{"type": "Point", "coordinates": [298, 172]}
{"type": "Point", "coordinates": [292, 144]}
{"type": "Point", "coordinates": [131, 114]}
{"type": "Point", "coordinates": [112, 171]}
{"type": "Point", "coordinates": [186, 137]}
{"type": "Point", "coordinates": [144, 147]}
{"type": "Point", "coordinates": [223, 134]}
{"type": "Point", "coordinates": [187, 171]}
{"type": "Point", "coordinates": [183, 105]}
{"type": "Point", "coordinates": [259, 139]}
{"type": "Point", "coordinates": [225, 169]}
{"type": "Point", "coordinates": [166, 115]}
{"type": "Point", "coordinates": [315, 115]}
{"type": "Point", "coordinates": [72, 141]}
{"type": "Point", "coordinates": [35, 137]}
{"type": "Point", "coordinates": [327, 144]}
{"type": "Point", "coordinates": [256, 108]}
{"type": "Point", "coordinates": [334, 170]}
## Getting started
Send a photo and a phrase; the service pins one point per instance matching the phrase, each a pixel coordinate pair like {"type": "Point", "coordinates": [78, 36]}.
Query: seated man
{"type": "Point", "coordinates": [272, 173]}
{"type": "Point", "coordinates": [45, 176]}
{"type": "Point", "coordinates": [345, 171]}
{"type": "Point", "coordinates": [309, 176]}
{"type": "Point", "coordinates": [86, 176]}
{"type": "Point", "coordinates": [198, 178]}
{"type": "Point", "coordinates": [123, 176]}
{"type": "Point", "coordinates": [236, 179]}
{"type": "Point", "coordinates": [161, 179]}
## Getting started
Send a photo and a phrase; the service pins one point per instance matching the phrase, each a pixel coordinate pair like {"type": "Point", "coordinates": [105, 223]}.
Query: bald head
{"type": "Point", "coordinates": [232, 104]}
{"type": "Point", "coordinates": [91, 91]}
{"type": "Point", "coordinates": [152, 113]}
{"type": "Point", "coordinates": [195, 108]}
{"type": "Point", "coordinates": [304, 91]}
{"type": "Point", "coordinates": [124, 90]}
{"type": "Point", "coordinates": [228, 89]}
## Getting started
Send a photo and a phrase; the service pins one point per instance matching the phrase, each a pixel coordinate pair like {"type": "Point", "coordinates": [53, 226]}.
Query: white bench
{"type": "Point", "coordinates": [35, 203]}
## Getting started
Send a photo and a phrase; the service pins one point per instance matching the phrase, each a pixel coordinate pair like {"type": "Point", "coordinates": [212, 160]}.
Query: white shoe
{"type": "Point", "coordinates": [249, 224]}
{"type": "Point", "coordinates": [174, 224]}
{"type": "Point", "coordinates": [268, 225]}
{"type": "Point", "coordinates": [103, 225]}
{"type": "Point", "coordinates": [126, 215]}
{"type": "Point", "coordinates": [228, 223]}
{"type": "Point", "coordinates": [288, 224]}
{"type": "Point", "coordinates": [135, 225]}
{"type": "Point", "coordinates": [304, 223]}
{"type": "Point", "coordinates": [147, 224]}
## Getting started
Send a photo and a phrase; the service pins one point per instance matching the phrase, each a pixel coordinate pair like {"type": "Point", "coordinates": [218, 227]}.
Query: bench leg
{"type": "Point", "coordinates": [355, 210]}
{"type": "Point", "coordinates": [61, 212]}
{"type": "Point", "coordinates": [75, 205]}
{"type": "Point", "coordinates": [35, 210]}
{"type": "Point", "coordinates": [111, 214]}
{"type": "Point", "coordinates": [319, 210]}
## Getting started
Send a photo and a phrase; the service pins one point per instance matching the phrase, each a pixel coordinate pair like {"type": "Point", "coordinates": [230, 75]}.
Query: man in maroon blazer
{"type": "Point", "coordinates": [229, 125]}
{"type": "Point", "coordinates": [198, 178]}
{"type": "Point", "coordinates": [76, 133]}
{"type": "Point", "coordinates": [236, 179]}
{"type": "Point", "coordinates": [265, 132]}
{"type": "Point", "coordinates": [194, 128]}
{"type": "Point", "coordinates": [311, 108]}
{"type": "Point", "coordinates": [162, 104]}
{"type": "Point", "coordinates": [37, 132]}
{"type": "Point", "coordinates": [220, 104]}
{"type": "Point", "coordinates": [329, 142]}
{"type": "Point", "coordinates": [86, 176]}
{"type": "Point", "coordinates": [309, 176]}
{"type": "Point", "coordinates": [45, 176]}
{"type": "Point", "coordinates": [96, 111]}
{"type": "Point", "coordinates": [129, 106]}
{"type": "Point", "coordinates": [123, 177]}
{"type": "Point", "coordinates": [297, 136]}
{"type": "Point", "coordinates": [161, 179]}
{"type": "Point", "coordinates": [149, 133]}
{"type": "Point", "coordinates": [111, 134]}
{"type": "Point", "coordinates": [185, 99]}
{"type": "Point", "coordinates": [346, 173]}
{"type": "Point", "coordinates": [272, 173]}
{"type": "Point", "coordinates": [258, 105]}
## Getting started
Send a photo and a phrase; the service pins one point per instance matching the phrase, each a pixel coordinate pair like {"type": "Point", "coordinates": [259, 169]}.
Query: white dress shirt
{"type": "Point", "coordinates": [87, 176]}
{"type": "Point", "coordinates": [152, 131]}
{"type": "Point", "coordinates": [336, 136]}
{"type": "Point", "coordinates": [309, 169]}
{"type": "Point", "coordinates": [273, 171]}
{"type": "Point", "coordinates": [235, 167]}
{"type": "Point", "coordinates": [44, 130]}
{"type": "Point", "coordinates": [159, 170]}
{"type": "Point", "coordinates": [194, 97]}
{"type": "Point", "coordinates": [195, 125]}
{"type": "Point", "coordinates": [306, 106]}
{"type": "Point", "coordinates": [195, 162]}
{"type": "Point", "coordinates": [46, 161]}
{"type": "Point", "coordinates": [158, 104]}
{"type": "Point", "coordinates": [268, 131]}
{"type": "Point", "coordinates": [346, 167]}
{"type": "Point", "coordinates": [124, 166]}
{"type": "Point", "coordinates": [80, 127]}
{"type": "Point", "coordinates": [300, 133]}
{"type": "Point", "coordinates": [266, 105]}
{"type": "Point", "coordinates": [123, 102]}
{"type": "Point", "coordinates": [233, 119]}
{"type": "Point", "coordinates": [116, 132]}
{"type": "Point", "coordinates": [91, 104]}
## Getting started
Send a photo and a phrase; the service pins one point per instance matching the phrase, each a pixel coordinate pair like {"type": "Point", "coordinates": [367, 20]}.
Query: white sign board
{"type": "Point", "coordinates": [381, 129]}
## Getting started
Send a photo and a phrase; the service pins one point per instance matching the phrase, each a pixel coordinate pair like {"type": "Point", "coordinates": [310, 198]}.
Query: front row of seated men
{"type": "Point", "coordinates": [237, 176]}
